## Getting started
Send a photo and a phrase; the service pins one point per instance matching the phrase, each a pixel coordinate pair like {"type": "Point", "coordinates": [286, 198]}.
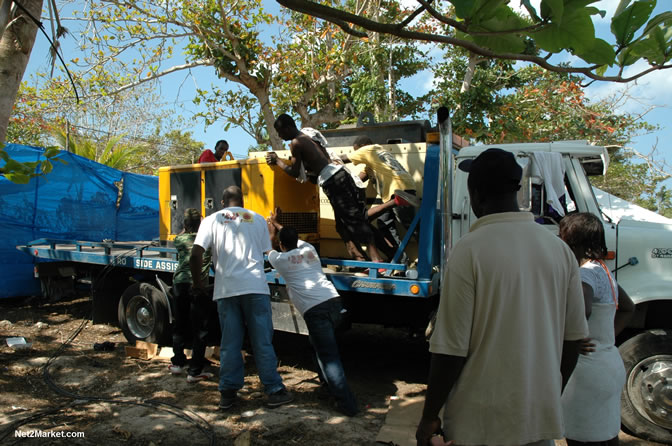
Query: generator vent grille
{"type": "Point", "coordinates": [303, 222]}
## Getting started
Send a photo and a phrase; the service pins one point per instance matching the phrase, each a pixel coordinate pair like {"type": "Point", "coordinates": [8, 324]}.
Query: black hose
{"type": "Point", "coordinates": [187, 415]}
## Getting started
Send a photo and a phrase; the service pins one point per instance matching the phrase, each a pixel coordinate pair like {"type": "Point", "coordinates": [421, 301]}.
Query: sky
{"type": "Point", "coordinates": [653, 91]}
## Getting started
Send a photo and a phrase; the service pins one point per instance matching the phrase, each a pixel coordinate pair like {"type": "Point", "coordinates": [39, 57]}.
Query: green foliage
{"type": "Point", "coordinates": [134, 119]}
{"type": "Point", "coordinates": [230, 34]}
{"type": "Point", "coordinates": [529, 104]}
{"type": "Point", "coordinates": [663, 202]}
{"type": "Point", "coordinates": [258, 148]}
{"type": "Point", "coordinates": [551, 107]}
{"type": "Point", "coordinates": [110, 152]}
{"type": "Point", "coordinates": [369, 87]}
{"type": "Point", "coordinates": [319, 73]}
{"type": "Point", "coordinates": [472, 108]}
{"type": "Point", "coordinates": [567, 25]}
{"type": "Point", "coordinates": [625, 24]}
{"type": "Point", "coordinates": [21, 173]}
{"type": "Point", "coordinates": [329, 77]}
{"type": "Point", "coordinates": [493, 29]}
{"type": "Point", "coordinates": [28, 125]}
{"type": "Point", "coordinates": [635, 183]}
{"type": "Point", "coordinates": [505, 105]}
{"type": "Point", "coordinates": [233, 107]}
{"type": "Point", "coordinates": [179, 147]}
{"type": "Point", "coordinates": [573, 28]}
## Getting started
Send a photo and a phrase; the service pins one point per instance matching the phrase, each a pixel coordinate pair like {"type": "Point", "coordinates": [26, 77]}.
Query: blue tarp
{"type": "Point", "coordinates": [79, 200]}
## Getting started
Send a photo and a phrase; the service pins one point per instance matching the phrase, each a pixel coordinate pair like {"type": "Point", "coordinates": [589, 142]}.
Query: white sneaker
{"type": "Point", "coordinates": [176, 369]}
{"type": "Point", "coordinates": [200, 377]}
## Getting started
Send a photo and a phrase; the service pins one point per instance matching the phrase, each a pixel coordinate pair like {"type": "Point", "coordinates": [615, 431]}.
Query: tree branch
{"type": "Point", "coordinates": [154, 76]}
{"type": "Point", "coordinates": [460, 26]}
{"type": "Point", "coordinates": [343, 19]}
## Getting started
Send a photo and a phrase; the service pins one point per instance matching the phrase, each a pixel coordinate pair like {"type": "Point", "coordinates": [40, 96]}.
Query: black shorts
{"type": "Point", "coordinates": [349, 211]}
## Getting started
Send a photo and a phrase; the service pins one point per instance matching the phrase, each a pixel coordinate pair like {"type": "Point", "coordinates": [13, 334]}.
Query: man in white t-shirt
{"type": "Point", "coordinates": [239, 238]}
{"type": "Point", "coordinates": [318, 302]}
{"type": "Point", "coordinates": [510, 318]}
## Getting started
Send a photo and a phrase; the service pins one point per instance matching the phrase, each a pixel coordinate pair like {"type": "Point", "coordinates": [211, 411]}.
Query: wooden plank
{"type": "Point", "coordinates": [150, 347]}
{"type": "Point", "coordinates": [139, 353]}
{"type": "Point", "coordinates": [148, 350]}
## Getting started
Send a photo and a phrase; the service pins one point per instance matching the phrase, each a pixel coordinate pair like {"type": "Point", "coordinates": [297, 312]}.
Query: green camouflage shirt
{"type": "Point", "coordinates": [183, 244]}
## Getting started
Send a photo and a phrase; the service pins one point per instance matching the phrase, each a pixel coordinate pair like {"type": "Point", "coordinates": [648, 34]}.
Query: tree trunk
{"type": "Point", "coordinates": [269, 118]}
{"type": "Point", "coordinates": [471, 70]}
{"type": "Point", "coordinates": [15, 46]}
{"type": "Point", "coordinates": [392, 94]}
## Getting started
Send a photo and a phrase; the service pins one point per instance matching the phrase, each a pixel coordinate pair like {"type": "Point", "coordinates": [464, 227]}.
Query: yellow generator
{"type": "Point", "coordinates": [264, 188]}
{"type": "Point", "coordinates": [410, 155]}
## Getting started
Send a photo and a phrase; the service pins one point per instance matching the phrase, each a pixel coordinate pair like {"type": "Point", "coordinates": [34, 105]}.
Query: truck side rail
{"type": "Point", "coordinates": [140, 255]}
{"type": "Point", "coordinates": [146, 256]}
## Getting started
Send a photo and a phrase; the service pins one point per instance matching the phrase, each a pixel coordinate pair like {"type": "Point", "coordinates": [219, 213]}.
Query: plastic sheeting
{"type": "Point", "coordinates": [80, 200]}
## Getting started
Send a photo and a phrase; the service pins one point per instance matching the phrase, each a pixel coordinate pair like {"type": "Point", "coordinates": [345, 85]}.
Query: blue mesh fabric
{"type": "Point", "coordinates": [77, 201]}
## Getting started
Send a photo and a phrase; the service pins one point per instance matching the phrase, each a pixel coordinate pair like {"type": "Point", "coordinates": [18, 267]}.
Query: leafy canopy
{"type": "Point", "coordinates": [492, 29]}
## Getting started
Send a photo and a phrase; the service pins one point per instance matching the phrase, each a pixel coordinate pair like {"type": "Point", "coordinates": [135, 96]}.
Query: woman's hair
{"type": "Point", "coordinates": [192, 220]}
{"type": "Point", "coordinates": [584, 233]}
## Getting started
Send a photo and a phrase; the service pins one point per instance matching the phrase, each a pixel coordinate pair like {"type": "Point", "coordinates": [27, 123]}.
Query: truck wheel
{"type": "Point", "coordinates": [646, 402]}
{"type": "Point", "coordinates": [143, 314]}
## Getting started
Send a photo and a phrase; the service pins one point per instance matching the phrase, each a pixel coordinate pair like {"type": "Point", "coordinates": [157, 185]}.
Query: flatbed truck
{"type": "Point", "coordinates": [130, 281]}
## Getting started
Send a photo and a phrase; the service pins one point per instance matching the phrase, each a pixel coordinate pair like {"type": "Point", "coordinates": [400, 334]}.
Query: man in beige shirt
{"type": "Point", "coordinates": [509, 321]}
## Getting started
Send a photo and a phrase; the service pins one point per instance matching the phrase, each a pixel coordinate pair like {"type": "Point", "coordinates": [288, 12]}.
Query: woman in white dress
{"type": "Point", "coordinates": [591, 400]}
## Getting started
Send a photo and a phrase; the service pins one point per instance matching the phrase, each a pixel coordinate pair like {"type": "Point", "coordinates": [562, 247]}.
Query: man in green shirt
{"type": "Point", "coordinates": [191, 316]}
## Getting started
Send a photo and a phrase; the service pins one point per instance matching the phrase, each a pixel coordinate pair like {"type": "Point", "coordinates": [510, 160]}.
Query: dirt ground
{"type": "Point", "coordinates": [113, 399]}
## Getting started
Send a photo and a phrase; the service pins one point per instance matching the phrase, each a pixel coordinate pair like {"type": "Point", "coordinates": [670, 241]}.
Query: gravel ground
{"type": "Point", "coordinates": [112, 399]}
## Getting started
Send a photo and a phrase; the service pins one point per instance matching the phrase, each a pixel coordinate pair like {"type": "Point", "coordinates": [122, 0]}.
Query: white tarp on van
{"type": "Point", "coordinates": [617, 208]}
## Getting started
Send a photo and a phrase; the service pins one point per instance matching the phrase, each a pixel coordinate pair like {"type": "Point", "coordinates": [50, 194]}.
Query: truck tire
{"type": "Point", "coordinates": [143, 314]}
{"type": "Point", "coordinates": [646, 401]}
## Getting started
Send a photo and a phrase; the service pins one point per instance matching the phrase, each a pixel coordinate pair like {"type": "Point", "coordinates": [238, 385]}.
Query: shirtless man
{"type": "Point", "coordinates": [335, 181]}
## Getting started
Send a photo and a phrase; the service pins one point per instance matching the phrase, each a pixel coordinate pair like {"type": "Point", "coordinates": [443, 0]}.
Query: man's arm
{"type": "Point", "coordinates": [444, 371]}
{"type": "Point", "coordinates": [290, 169]}
{"type": "Point", "coordinates": [345, 159]}
{"type": "Point", "coordinates": [273, 228]}
{"type": "Point", "coordinates": [570, 354]}
{"type": "Point", "coordinates": [375, 211]}
{"type": "Point", "coordinates": [195, 265]}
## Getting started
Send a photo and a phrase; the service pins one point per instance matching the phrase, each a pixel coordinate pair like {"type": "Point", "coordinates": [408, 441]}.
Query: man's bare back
{"type": "Point", "coordinates": [313, 156]}
{"type": "Point", "coordinates": [339, 187]}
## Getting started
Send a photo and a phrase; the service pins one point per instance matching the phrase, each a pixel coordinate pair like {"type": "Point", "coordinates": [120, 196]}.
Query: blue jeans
{"type": "Point", "coordinates": [253, 311]}
{"type": "Point", "coordinates": [322, 321]}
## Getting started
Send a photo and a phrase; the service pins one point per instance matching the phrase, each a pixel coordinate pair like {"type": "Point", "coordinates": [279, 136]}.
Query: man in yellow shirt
{"type": "Point", "coordinates": [391, 180]}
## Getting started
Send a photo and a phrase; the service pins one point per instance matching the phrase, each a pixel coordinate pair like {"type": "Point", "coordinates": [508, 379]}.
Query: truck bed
{"type": "Point", "coordinates": [147, 255]}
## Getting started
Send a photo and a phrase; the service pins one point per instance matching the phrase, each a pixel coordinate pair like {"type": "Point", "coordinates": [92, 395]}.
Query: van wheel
{"type": "Point", "coordinates": [143, 314]}
{"type": "Point", "coordinates": [646, 401]}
